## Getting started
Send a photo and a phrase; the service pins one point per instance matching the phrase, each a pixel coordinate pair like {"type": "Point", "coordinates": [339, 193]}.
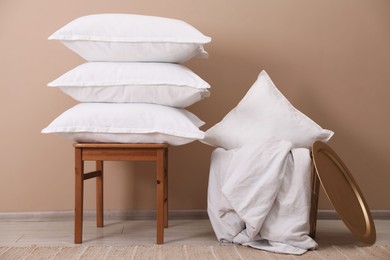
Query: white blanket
{"type": "Point", "coordinates": [259, 196]}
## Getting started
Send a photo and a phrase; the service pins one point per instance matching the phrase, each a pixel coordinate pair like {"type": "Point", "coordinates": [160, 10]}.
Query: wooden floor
{"type": "Point", "coordinates": [142, 232]}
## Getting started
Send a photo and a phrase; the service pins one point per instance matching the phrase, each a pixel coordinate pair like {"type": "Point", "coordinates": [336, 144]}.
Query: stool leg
{"type": "Point", "coordinates": [79, 196]}
{"type": "Point", "coordinates": [314, 203]}
{"type": "Point", "coordinates": [99, 195]}
{"type": "Point", "coordinates": [166, 188]}
{"type": "Point", "coordinates": [160, 196]}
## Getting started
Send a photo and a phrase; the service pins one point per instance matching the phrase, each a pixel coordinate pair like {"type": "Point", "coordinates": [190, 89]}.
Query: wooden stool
{"type": "Point", "coordinates": [100, 152]}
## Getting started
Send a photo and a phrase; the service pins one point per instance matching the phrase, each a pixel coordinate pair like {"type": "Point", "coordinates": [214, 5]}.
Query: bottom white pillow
{"type": "Point", "coordinates": [127, 123]}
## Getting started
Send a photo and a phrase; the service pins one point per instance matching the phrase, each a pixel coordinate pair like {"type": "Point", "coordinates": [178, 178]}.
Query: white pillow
{"type": "Point", "coordinates": [127, 123]}
{"type": "Point", "coordinates": [264, 112]}
{"type": "Point", "coordinates": [131, 37]}
{"type": "Point", "coordinates": [159, 83]}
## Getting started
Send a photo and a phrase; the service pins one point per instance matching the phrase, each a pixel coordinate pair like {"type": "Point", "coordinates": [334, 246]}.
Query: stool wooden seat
{"type": "Point", "coordinates": [101, 152]}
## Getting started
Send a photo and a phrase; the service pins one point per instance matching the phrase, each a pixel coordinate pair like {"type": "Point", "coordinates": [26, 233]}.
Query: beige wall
{"type": "Point", "coordinates": [331, 59]}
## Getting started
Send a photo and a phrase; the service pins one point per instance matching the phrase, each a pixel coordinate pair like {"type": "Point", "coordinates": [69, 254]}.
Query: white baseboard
{"type": "Point", "coordinates": [116, 215]}
{"type": "Point", "coordinates": [332, 214]}
{"type": "Point", "coordinates": [108, 215]}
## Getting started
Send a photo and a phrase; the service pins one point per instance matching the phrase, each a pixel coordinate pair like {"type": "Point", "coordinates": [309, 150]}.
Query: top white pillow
{"type": "Point", "coordinates": [130, 37]}
{"type": "Point", "coordinates": [264, 113]}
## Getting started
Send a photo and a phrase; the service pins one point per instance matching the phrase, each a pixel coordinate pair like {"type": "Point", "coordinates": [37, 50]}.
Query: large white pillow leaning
{"type": "Point", "coordinates": [148, 82]}
{"type": "Point", "coordinates": [131, 37]}
{"type": "Point", "coordinates": [263, 113]}
{"type": "Point", "coordinates": [127, 123]}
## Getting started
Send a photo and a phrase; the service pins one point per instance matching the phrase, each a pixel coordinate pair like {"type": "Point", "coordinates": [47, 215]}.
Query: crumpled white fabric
{"type": "Point", "coordinates": [259, 196]}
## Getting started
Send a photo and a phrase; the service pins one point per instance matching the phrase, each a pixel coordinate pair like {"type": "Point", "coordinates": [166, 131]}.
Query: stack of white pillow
{"type": "Point", "coordinates": [132, 89]}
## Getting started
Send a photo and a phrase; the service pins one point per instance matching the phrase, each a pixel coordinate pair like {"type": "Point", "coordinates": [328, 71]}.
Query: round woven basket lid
{"type": "Point", "coordinates": [343, 192]}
